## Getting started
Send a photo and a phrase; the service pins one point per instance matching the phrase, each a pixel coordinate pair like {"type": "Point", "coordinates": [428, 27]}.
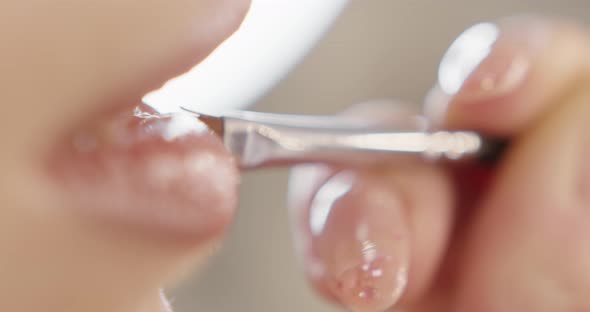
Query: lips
{"type": "Point", "coordinates": [168, 174]}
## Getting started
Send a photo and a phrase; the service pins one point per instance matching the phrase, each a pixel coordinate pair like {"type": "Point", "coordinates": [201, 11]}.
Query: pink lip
{"type": "Point", "coordinates": [169, 175]}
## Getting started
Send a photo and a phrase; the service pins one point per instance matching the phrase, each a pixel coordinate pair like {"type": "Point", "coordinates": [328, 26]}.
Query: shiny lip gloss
{"type": "Point", "coordinates": [168, 174]}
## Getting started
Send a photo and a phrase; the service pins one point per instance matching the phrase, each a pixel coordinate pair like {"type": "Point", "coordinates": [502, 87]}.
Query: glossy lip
{"type": "Point", "coordinates": [168, 176]}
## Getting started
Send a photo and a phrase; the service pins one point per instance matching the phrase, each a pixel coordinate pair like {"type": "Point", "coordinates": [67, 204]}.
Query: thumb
{"type": "Point", "coordinates": [527, 248]}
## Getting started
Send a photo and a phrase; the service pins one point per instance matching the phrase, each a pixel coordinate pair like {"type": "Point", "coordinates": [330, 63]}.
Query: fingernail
{"type": "Point", "coordinates": [358, 246]}
{"type": "Point", "coordinates": [488, 60]}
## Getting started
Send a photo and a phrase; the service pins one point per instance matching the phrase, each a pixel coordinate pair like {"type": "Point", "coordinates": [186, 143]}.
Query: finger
{"type": "Point", "coordinates": [368, 235]}
{"type": "Point", "coordinates": [500, 77]}
{"type": "Point", "coordinates": [365, 234]}
{"type": "Point", "coordinates": [527, 246]}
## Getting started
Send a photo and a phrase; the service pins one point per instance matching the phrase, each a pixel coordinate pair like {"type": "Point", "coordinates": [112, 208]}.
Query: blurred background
{"type": "Point", "coordinates": [376, 49]}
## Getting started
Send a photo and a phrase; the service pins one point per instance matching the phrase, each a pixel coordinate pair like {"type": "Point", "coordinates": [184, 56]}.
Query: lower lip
{"type": "Point", "coordinates": [169, 175]}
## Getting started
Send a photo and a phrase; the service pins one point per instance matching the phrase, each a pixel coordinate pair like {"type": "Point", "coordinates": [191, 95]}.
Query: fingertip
{"type": "Point", "coordinates": [359, 241]}
{"type": "Point", "coordinates": [499, 77]}
{"type": "Point", "coordinates": [345, 216]}
{"type": "Point", "coordinates": [369, 238]}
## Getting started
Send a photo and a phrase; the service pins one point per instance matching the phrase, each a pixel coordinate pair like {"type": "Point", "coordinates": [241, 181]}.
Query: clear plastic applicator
{"type": "Point", "coordinates": [262, 140]}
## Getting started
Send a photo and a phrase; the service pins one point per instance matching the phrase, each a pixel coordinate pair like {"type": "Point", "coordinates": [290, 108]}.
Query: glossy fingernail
{"type": "Point", "coordinates": [165, 305]}
{"type": "Point", "coordinates": [358, 246]}
{"type": "Point", "coordinates": [488, 60]}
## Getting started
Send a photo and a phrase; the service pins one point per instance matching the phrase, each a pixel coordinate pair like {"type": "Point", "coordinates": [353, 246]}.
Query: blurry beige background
{"type": "Point", "coordinates": [378, 48]}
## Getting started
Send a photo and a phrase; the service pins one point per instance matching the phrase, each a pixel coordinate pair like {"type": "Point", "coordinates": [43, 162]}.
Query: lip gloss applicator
{"type": "Point", "coordinates": [266, 140]}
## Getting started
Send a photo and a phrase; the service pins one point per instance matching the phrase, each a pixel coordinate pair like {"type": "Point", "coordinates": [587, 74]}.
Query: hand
{"type": "Point", "coordinates": [424, 238]}
{"type": "Point", "coordinates": [86, 223]}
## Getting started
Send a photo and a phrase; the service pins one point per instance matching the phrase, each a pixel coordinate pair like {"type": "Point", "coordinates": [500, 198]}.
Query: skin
{"type": "Point", "coordinates": [522, 246]}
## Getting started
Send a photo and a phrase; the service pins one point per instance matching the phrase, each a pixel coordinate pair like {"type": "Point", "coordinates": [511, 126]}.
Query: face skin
{"type": "Point", "coordinates": [69, 67]}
